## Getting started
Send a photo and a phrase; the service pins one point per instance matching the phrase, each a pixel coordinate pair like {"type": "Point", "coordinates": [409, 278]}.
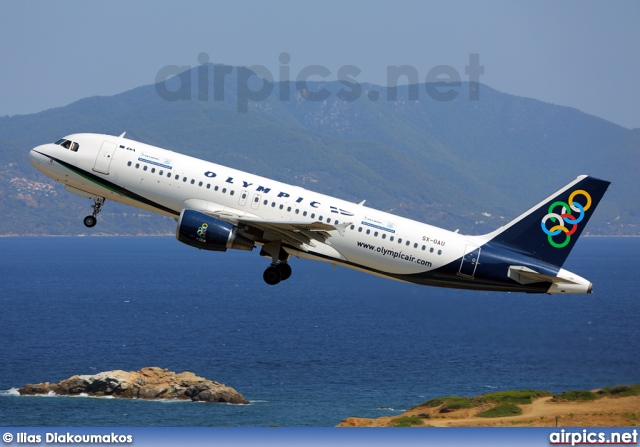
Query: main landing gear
{"type": "Point", "coordinates": [279, 270]}
{"type": "Point", "coordinates": [91, 221]}
{"type": "Point", "coordinates": [276, 273]}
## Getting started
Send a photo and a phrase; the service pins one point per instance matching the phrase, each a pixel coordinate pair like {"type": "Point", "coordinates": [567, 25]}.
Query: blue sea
{"type": "Point", "coordinates": [325, 345]}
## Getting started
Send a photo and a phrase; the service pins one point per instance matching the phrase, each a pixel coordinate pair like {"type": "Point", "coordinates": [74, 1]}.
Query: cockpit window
{"type": "Point", "coordinates": [68, 144]}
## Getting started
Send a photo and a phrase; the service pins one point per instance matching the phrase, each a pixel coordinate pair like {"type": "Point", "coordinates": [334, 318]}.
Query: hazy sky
{"type": "Point", "coordinates": [582, 54]}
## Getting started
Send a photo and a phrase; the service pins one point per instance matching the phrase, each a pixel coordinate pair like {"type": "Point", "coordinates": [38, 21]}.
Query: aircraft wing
{"type": "Point", "coordinates": [296, 233]}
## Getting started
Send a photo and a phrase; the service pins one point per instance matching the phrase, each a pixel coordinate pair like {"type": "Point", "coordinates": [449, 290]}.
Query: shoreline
{"type": "Point", "coordinates": [542, 411]}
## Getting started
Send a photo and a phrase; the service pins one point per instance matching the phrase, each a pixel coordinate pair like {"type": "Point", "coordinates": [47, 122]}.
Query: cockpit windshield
{"type": "Point", "coordinates": [68, 144]}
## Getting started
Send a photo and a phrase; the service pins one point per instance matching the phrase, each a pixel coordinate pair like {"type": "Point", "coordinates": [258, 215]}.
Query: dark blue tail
{"type": "Point", "coordinates": [549, 230]}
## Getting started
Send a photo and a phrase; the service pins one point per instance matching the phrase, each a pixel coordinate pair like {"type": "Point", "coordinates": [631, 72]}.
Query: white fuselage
{"type": "Point", "coordinates": [374, 240]}
{"type": "Point", "coordinates": [303, 223]}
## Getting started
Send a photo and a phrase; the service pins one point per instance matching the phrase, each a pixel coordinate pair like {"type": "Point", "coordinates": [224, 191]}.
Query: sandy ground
{"type": "Point", "coordinates": [607, 411]}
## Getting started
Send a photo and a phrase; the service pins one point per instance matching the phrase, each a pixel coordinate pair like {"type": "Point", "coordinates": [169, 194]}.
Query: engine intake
{"type": "Point", "coordinates": [208, 233]}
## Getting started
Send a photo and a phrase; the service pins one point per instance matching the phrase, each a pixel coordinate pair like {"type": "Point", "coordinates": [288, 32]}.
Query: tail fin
{"type": "Point", "coordinates": [549, 230]}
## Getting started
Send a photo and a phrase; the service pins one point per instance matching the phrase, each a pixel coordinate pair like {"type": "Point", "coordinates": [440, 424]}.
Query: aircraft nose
{"type": "Point", "coordinates": [37, 157]}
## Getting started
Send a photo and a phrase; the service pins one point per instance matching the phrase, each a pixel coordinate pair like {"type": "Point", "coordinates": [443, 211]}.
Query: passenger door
{"type": "Point", "coordinates": [105, 155]}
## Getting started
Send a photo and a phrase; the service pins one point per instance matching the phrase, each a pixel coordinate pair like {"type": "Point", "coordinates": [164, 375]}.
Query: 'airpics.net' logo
{"type": "Point", "coordinates": [565, 216]}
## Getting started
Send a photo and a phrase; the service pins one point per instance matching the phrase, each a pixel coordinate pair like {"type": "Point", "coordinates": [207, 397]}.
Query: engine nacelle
{"type": "Point", "coordinates": [208, 233]}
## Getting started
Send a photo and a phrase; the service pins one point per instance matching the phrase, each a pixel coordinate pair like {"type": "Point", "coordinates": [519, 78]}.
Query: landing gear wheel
{"type": "Point", "coordinates": [272, 275]}
{"type": "Point", "coordinates": [90, 221]}
{"type": "Point", "coordinates": [285, 271]}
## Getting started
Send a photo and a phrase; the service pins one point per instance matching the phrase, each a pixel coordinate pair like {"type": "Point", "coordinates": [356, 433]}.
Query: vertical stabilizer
{"type": "Point", "coordinates": [549, 230]}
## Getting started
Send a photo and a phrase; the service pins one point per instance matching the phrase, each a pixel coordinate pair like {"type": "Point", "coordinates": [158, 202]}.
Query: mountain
{"type": "Point", "coordinates": [461, 164]}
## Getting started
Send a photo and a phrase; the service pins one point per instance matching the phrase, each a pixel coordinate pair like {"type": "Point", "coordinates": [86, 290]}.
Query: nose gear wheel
{"type": "Point", "coordinates": [91, 221]}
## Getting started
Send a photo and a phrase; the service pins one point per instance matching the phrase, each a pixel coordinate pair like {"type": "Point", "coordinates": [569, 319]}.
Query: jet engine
{"type": "Point", "coordinates": [208, 233]}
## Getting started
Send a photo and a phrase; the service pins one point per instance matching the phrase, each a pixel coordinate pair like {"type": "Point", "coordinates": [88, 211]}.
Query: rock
{"type": "Point", "coordinates": [31, 389]}
{"type": "Point", "coordinates": [148, 383]}
{"type": "Point", "coordinates": [214, 392]}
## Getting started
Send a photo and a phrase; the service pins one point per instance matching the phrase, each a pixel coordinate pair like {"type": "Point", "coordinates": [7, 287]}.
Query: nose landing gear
{"type": "Point", "coordinates": [91, 221]}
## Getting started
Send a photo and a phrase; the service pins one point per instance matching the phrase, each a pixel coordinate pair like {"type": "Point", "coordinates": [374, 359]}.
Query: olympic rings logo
{"type": "Point", "coordinates": [202, 230]}
{"type": "Point", "coordinates": [565, 216]}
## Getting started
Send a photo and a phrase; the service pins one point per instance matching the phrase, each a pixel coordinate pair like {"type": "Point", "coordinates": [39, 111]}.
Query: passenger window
{"type": "Point", "coordinates": [431, 250]}
{"type": "Point", "coordinates": [273, 204]}
{"type": "Point", "coordinates": [184, 180]}
{"type": "Point", "coordinates": [129, 164]}
{"type": "Point", "coordinates": [368, 231]}
{"type": "Point", "coordinates": [375, 234]}
{"type": "Point", "coordinates": [304, 213]}
{"type": "Point", "coordinates": [288, 209]}
{"type": "Point", "coordinates": [352, 227]}
{"type": "Point", "coordinates": [320, 218]}
{"type": "Point", "coordinates": [313, 215]}
{"type": "Point", "coordinates": [177, 177]}
{"type": "Point", "coordinates": [415, 245]}
{"type": "Point", "coordinates": [281, 206]}
{"type": "Point", "coordinates": [160, 172]}
{"type": "Point", "coordinates": [391, 238]}
{"type": "Point", "coordinates": [256, 199]}
{"type": "Point", "coordinates": [384, 235]}
{"type": "Point", "coordinates": [199, 183]}
{"type": "Point", "coordinates": [399, 240]}
{"type": "Point", "coordinates": [297, 211]}
{"type": "Point", "coordinates": [439, 252]}
{"type": "Point", "coordinates": [359, 229]}
{"type": "Point", "coordinates": [144, 168]}
{"type": "Point", "coordinates": [208, 185]}
{"type": "Point", "coordinates": [424, 247]}
{"type": "Point", "coordinates": [193, 181]}
{"type": "Point", "coordinates": [266, 202]}
{"type": "Point", "coordinates": [168, 175]}
{"type": "Point", "coordinates": [153, 170]}
{"type": "Point", "coordinates": [408, 243]}
{"type": "Point", "coordinates": [224, 190]}
{"type": "Point", "coordinates": [232, 192]}
{"type": "Point", "coordinates": [137, 165]}
{"type": "Point", "coordinates": [215, 189]}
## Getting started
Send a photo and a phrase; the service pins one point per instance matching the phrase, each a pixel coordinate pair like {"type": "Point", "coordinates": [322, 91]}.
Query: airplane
{"type": "Point", "coordinates": [219, 208]}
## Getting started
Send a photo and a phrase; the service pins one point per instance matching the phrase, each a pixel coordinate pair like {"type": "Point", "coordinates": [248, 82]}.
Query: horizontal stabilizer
{"type": "Point", "coordinates": [564, 282]}
{"type": "Point", "coordinates": [525, 275]}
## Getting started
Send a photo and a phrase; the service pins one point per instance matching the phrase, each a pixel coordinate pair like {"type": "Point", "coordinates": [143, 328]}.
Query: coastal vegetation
{"type": "Point", "coordinates": [503, 410]}
{"type": "Point", "coordinates": [450, 403]}
{"type": "Point", "coordinates": [407, 421]}
{"type": "Point", "coordinates": [583, 395]}
{"type": "Point", "coordinates": [617, 405]}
